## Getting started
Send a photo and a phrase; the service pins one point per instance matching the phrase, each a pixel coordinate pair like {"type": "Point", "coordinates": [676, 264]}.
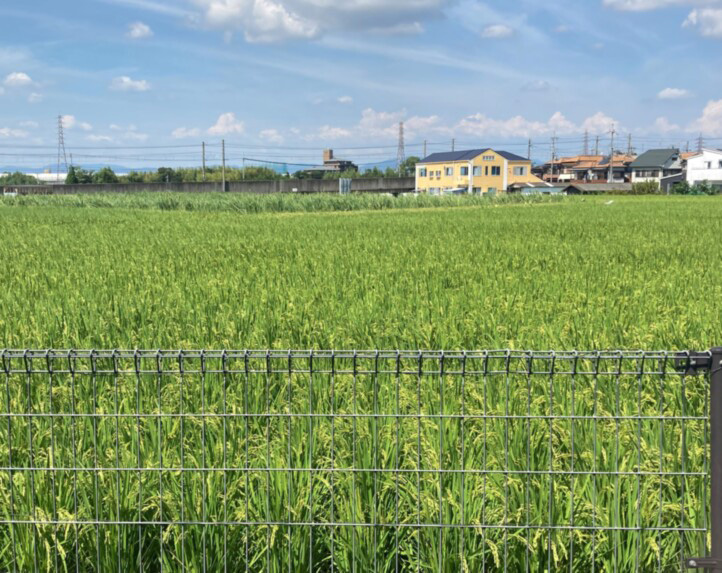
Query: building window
{"type": "Point", "coordinates": [488, 158]}
{"type": "Point", "coordinates": [495, 170]}
{"type": "Point", "coordinates": [647, 173]}
{"type": "Point", "coordinates": [720, 164]}
{"type": "Point", "coordinates": [477, 171]}
{"type": "Point", "coordinates": [520, 171]}
{"type": "Point", "coordinates": [492, 190]}
{"type": "Point", "coordinates": [708, 165]}
{"type": "Point", "coordinates": [464, 170]}
{"type": "Point", "coordinates": [422, 172]}
{"type": "Point", "coordinates": [486, 169]}
{"type": "Point", "coordinates": [448, 171]}
{"type": "Point", "coordinates": [476, 190]}
{"type": "Point", "coordinates": [438, 174]}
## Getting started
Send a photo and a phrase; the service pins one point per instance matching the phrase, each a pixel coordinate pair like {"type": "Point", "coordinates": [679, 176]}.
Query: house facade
{"type": "Point", "coordinates": [655, 165]}
{"type": "Point", "coordinates": [705, 166]}
{"type": "Point", "coordinates": [479, 171]}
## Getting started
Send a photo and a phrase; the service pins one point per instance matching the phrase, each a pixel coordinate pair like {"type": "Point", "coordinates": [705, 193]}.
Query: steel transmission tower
{"type": "Point", "coordinates": [62, 155]}
{"type": "Point", "coordinates": [401, 153]}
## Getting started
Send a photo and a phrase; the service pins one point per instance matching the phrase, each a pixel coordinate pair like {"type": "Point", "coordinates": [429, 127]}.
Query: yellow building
{"type": "Point", "coordinates": [474, 171]}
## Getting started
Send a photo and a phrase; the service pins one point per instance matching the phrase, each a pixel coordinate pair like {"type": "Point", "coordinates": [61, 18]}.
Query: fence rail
{"type": "Point", "coordinates": [357, 460]}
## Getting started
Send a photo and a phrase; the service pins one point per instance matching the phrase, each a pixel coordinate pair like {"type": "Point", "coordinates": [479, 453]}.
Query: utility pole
{"type": "Point", "coordinates": [453, 145]}
{"type": "Point", "coordinates": [596, 146]}
{"type": "Point", "coordinates": [629, 145]}
{"type": "Point", "coordinates": [424, 149]}
{"type": "Point", "coordinates": [554, 153]}
{"type": "Point", "coordinates": [610, 179]}
{"type": "Point", "coordinates": [401, 151]}
{"type": "Point", "coordinates": [687, 147]}
{"type": "Point", "coordinates": [203, 145]}
{"type": "Point", "coordinates": [586, 142]}
{"type": "Point", "coordinates": [528, 150]}
{"type": "Point", "coordinates": [223, 155]}
{"type": "Point", "coordinates": [700, 143]}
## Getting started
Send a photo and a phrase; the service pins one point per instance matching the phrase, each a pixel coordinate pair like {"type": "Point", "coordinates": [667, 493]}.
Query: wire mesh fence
{"type": "Point", "coordinates": [352, 461]}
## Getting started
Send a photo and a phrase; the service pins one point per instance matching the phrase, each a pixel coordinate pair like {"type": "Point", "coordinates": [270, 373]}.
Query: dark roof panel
{"type": "Point", "coordinates": [468, 155]}
{"type": "Point", "coordinates": [655, 158]}
{"type": "Point", "coordinates": [511, 156]}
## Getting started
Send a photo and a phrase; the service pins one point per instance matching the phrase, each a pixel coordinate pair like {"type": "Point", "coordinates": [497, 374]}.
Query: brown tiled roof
{"type": "Point", "coordinates": [619, 160]}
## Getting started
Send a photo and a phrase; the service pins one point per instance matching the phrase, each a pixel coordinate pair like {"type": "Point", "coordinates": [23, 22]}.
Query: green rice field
{"type": "Point", "coordinates": [494, 453]}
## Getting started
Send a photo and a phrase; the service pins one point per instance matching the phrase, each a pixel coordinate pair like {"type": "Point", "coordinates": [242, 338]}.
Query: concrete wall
{"type": "Point", "coordinates": [371, 185]}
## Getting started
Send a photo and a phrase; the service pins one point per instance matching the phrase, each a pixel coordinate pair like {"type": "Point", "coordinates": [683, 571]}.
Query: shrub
{"type": "Point", "coordinates": [645, 188]}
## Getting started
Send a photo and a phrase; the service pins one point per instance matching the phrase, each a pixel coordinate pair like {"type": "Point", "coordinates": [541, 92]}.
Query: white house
{"type": "Point", "coordinates": [705, 166]}
{"type": "Point", "coordinates": [656, 164]}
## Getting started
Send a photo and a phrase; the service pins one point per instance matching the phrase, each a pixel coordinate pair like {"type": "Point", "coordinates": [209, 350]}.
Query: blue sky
{"type": "Point", "coordinates": [273, 74]}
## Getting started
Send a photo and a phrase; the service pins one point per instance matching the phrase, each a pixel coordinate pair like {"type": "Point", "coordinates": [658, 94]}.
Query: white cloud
{"type": "Point", "coordinates": [641, 5]}
{"type": "Point", "coordinates": [402, 29]}
{"type": "Point", "coordinates": [227, 124]}
{"type": "Point", "coordinates": [277, 20]}
{"type": "Point", "coordinates": [707, 21]}
{"type": "Point", "coordinates": [139, 30]}
{"type": "Point", "coordinates": [94, 138]}
{"type": "Point", "coordinates": [599, 123]}
{"type": "Point", "coordinates": [35, 98]}
{"type": "Point", "coordinates": [345, 100]}
{"type": "Point", "coordinates": [8, 132]}
{"type": "Point", "coordinates": [497, 31]}
{"type": "Point", "coordinates": [272, 136]}
{"type": "Point", "coordinates": [710, 122]}
{"type": "Point", "coordinates": [645, 5]}
{"type": "Point", "coordinates": [183, 132]}
{"type": "Point", "coordinates": [380, 123]}
{"type": "Point", "coordinates": [537, 86]}
{"type": "Point", "coordinates": [327, 132]}
{"type": "Point", "coordinates": [18, 80]}
{"type": "Point", "coordinates": [2, 90]}
{"type": "Point", "coordinates": [663, 126]}
{"type": "Point", "coordinates": [29, 124]}
{"type": "Point", "coordinates": [127, 84]}
{"type": "Point", "coordinates": [131, 133]}
{"type": "Point", "coordinates": [71, 122]}
{"type": "Point", "coordinates": [673, 93]}
{"type": "Point", "coordinates": [519, 126]}
{"type": "Point", "coordinates": [704, 18]}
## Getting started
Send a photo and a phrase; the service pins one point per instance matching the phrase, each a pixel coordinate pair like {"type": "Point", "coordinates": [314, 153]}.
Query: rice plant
{"type": "Point", "coordinates": [564, 275]}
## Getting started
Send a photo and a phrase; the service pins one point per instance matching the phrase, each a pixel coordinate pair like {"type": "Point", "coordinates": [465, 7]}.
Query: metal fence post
{"type": "Point", "coordinates": [712, 361]}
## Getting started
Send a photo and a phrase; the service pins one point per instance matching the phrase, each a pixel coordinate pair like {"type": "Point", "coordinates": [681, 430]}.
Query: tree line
{"type": "Point", "coordinates": [80, 176]}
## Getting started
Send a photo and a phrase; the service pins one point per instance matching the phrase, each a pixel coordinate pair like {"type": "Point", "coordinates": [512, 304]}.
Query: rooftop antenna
{"type": "Point", "coordinates": [401, 153]}
{"type": "Point", "coordinates": [62, 155]}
